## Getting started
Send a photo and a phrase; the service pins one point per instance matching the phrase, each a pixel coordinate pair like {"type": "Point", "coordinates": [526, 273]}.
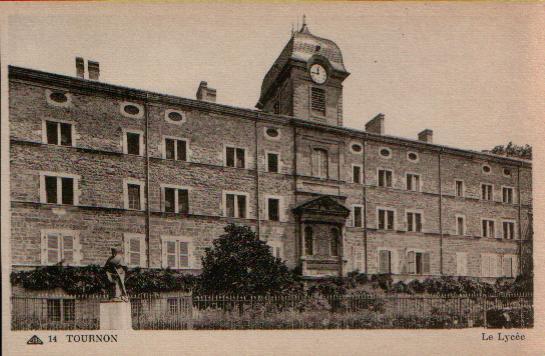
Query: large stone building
{"type": "Point", "coordinates": [95, 165]}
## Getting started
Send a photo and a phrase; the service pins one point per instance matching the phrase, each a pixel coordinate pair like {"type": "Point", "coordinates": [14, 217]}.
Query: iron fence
{"type": "Point", "coordinates": [179, 311]}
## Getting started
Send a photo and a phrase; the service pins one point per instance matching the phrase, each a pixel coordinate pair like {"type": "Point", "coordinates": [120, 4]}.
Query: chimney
{"type": "Point", "coordinates": [376, 125]}
{"type": "Point", "coordinates": [80, 67]}
{"type": "Point", "coordinates": [426, 136]}
{"type": "Point", "coordinates": [204, 93]}
{"type": "Point", "coordinates": [94, 71]}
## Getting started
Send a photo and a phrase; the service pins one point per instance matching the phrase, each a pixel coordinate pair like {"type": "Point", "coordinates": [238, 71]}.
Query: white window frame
{"type": "Point", "coordinates": [167, 119]}
{"type": "Point", "coordinates": [419, 181]}
{"type": "Point", "coordinates": [514, 222]}
{"type": "Point", "coordinates": [512, 194]}
{"type": "Point", "coordinates": [281, 215]}
{"type": "Point", "coordinates": [177, 240]}
{"type": "Point", "coordinates": [417, 250]}
{"type": "Point", "coordinates": [394, 259]}
{"type": "Point", "coordinates": [276, 244]}
{"type": "Point", "coordinates": [77, 255]}
{"type": "Point", "coordinates": [510, 175]}
{"type": "Point", "coordinates": [387, 209]}
{"type": "Point", "coordinates": [514, 266]}
{"type": "Point", "coordinates": [463, 188]}
{"type": "Point", "coordinates": [164, 148]}
{"type": "Point", "coordinates": [459, 270]}
{"type": "Point", "coordinates": [495, 228]}
{"type": "Point", "coordinates": [140, 141]}
{"type": "Point", "coordinates": [492, 192]}
{"type": "Point", "coordinates": [278, 158]}
{"type": "Point", "coordinates": [386, 148]}
{"type": "Point", "coordinates": [464, 226]}
{"type": "Point", "coordinates": [52, 102]}
{"type": "Point", "coordinates": [498, 263]}
{"type": "Point", "coordinates": [352, 143]}
{"type": "Point", "coordinates": [352, 173]}
{"type": "Point", "coordinates": [72, 131]}
{"type": "Point", "coordinates": [414, 211]}
{"type": "Point", "coordinates": [59, 175]}
{"type": "Point", "coordinates": [127, 237]}
{"type": "Point", "coordinates": [128, 181]}
{"type": "Point", "coordinates": [246, 162]}
{"type": "Point", "coordinates": [486, 165]}
{"type": "Point", "coordinates": [126, 114]}
{"type": "Point", "coordinates": [176, 202]}
{"type": "Point", "coordinates": [417, 157]}
{"type": "Point", "coordinates": [378, 177]}
{"type": "Point", "coordinates": [237, 208]}
{"type": "Point", "coordinates": [357, 256]}
{"type": "Point", "coordinates": [353, 213]}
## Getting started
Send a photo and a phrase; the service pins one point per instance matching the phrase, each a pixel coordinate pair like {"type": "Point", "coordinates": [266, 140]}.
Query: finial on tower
{"type": "Point", "coordinates": [304, 28]}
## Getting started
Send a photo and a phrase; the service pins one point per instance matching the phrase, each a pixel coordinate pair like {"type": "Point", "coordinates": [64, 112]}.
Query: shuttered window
{"type": "Point", "coordinates": [318, 101]}
{"type": "Point", "coordinates": [461, 264]}
{"type": "Point", "coordinates": [385, 261]}
{"type": "Point", "coordinates": [135, 250]}
{"type": "Point", "coordinates": [309, 241]}
{"type": "Point", "coordinates": [60, 246]}
{"type": "Point", "coordinates": [418, 262]}
{"type": "Point", "coordinates": [490, 265]}
{"type": "Point", "coordinates": [176, 253]}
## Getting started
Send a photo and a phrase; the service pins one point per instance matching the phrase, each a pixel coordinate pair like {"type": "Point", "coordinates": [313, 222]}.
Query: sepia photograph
{"type": "Point", "coordinates": [205, 167]}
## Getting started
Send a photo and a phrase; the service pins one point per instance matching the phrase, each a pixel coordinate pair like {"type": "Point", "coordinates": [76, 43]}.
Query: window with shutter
{"type": "Point", "coordinates": [461, 264]}
{"type": "Point", "coordinates": [413, 182]}
{"type": "Point", "coordinates": [135, 249]}
{"type": "Point", "coordinates": [385, 263]}
{"type": "Point", "coordinates": [318, 101]}
{"type": "Point", "coordinates": [184, 254]}
{"type": "Point", "coordinates": [60, 246]}
{"type": "Point", "coordinates": [507, 266]}
{"type": "Point", "coordinates": [134, 252]}
{"type": "Point", "coordinates": [171, 254]}
{"type": "Point", "coordinates": [53, 253]}
{"type": "Point", "coordinates": [411, 262]}
{"type": "Point", "coordinates": [426, 263]}
{"type": "Point", "coordinates": [177, 252]}
{"type": "Point", "coordinates": [68, 249]}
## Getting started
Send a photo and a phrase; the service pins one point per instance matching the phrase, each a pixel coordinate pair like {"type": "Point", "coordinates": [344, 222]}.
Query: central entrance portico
{"type": "Point", "coordinates": [321, 230]}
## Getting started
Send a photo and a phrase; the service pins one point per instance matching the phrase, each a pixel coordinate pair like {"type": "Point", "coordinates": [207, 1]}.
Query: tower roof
{"type": "Point", "coordinates": [302, 46]}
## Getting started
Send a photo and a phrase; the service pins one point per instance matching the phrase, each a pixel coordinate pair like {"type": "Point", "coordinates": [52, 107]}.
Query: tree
{"type": "Point", "coordinates": [240, 263]}
{"type": "Point", "coordinates": [512, 150]}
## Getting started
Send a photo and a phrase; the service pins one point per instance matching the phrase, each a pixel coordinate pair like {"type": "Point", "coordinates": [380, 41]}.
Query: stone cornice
{"type": "Point", "coordinates": [94, 87]}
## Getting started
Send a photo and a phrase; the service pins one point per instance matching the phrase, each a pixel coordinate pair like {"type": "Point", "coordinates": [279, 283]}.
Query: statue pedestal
{"type": "Point", "coordinates": [115, 316]}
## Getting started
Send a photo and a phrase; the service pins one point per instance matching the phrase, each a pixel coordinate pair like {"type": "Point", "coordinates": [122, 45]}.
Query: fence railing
{"type": "Point", "coordinates": [185, 311]}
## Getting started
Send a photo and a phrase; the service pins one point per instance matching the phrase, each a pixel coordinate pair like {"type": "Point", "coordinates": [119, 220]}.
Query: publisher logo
{"type": "Point", "coordinates": [35, 340]}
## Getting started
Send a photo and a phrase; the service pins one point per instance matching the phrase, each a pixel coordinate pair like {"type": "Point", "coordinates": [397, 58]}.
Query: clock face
{"type": "Point", "coordinates": [318, 74]}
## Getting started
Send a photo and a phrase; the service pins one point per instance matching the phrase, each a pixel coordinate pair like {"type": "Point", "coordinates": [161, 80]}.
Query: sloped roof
{"type": "Point", "coordinates": [324, 205]}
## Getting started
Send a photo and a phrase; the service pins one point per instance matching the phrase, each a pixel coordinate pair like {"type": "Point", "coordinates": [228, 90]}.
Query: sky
{"type": "Point", "coordinates": [468, 72]}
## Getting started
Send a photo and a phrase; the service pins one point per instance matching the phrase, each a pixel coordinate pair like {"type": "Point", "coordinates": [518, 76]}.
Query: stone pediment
{"type": "Point", "coordinates": [324, 205]}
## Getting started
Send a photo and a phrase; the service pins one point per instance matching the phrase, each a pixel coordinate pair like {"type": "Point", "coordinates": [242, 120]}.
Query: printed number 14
{"type": "Point", "coordinates": [52, 338]}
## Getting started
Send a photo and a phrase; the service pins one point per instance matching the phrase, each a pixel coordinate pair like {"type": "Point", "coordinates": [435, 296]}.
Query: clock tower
{"type": "Point", "coordinates": [306, 79]}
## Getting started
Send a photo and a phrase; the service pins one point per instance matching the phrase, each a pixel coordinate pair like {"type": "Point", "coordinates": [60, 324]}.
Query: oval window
{"type": "Point", "coordinates": [486, 169]}
{"type": "Point", "coordinates": [175, 116]}
{"type": "Point", "coordinates": [384, 152]}
{"type": "Point", "coordinates": [58, 97]}
{"type": "Point", "coordinates": [507, 172]}
{"type": "Point", "coordinates": [412, 156]}
{"type": "Point", "coordinates": [131, 109]}
{"type": "Point", "coordinates": [356, 148]}
{"type": "Point", "coordinates": [271, 132]}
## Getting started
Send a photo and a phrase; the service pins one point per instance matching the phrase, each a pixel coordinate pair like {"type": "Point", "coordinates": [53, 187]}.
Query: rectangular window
{"type": "Point", "coordinates": [59, 190]}
{"type": "Point", "coordinates": [486, 191]}
{"type": "Point", "coordinates": [60, 246]}
{"type": "Point", "coordinates": [460, 226]}
{"type": "Point", "coordinates": [418, 262]}
{"type": "Point", "coordinates": [173, 306]}
{"type": "Point", "coordinates": [272, 162]}
{"type": "Point", "coordinates": [508, 230]}
{"type": "Point", "coordinates": [133, 194]}
{"type": "Point", "coordinates": [357, 213]}
{"type": "Point", "coordinates": [385, 261]}
{"type": "Point", "coordinates": [58, 133]}
{"type": "Point", "coordinates": [276, 248]}
{"type": "Point", "coordinates": [176, 200]}
{"type": "Point", "coordinates": [175, 149]}
{"type": "Point", "coordinates": [507, 195]}
{"type": "Point", "coordinates": [490, 265]}
{"type": "Point", "coordinates": [61, 310]}
{"type": "Point", "coordinates": [273, 209]}
{"type": "Point", "coordinates": [509, 266]}
{"type": "Point", "coordinates": [356, 174]}
{"type": "Point", "coordinates": [133, 143]}
{"type": "Point", "coordinates": [461, 264]}
{"type": "Point", "coordinates": [235, 157]}
{"type": "Point", "coordinates": [414, 222]}
{"type": "Point", "coordinates": [488, 228]}
{"type": "Point", "coordinates": [318, 101]}
{"type": "Point", "coordinates": [384, 178]}
{"type": "Point", "coordinates": [459, 188]}
{"type": "Point", "coordinates": [235, 205]}
{"type": "Point", "coordinates": [385, 219]}
{"type": "Point", "coordinates": [176, 253]}
{"type": "Point", "coordinates": [134, 246]}
{"type": "Point", "coordinates": [413, 182]}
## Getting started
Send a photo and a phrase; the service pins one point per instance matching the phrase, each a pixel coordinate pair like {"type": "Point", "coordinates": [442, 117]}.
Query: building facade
{"type": "Point", "coordinates": [95, 166]}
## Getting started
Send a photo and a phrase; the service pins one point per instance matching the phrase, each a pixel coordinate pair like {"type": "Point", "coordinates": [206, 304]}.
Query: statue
{"type": "Point", "coordinates": [116, 268]}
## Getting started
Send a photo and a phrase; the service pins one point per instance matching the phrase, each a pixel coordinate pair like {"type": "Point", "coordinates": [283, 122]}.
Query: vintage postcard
{"type": "Point", "coordinates": [272, 179]}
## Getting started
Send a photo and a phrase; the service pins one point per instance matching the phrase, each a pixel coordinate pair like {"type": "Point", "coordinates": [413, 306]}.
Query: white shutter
{"type": "Point", "coordinates": [485, 265]}
{"type": "Point", "coordinates": [164, 253]}
{"type": "Point", "coordinates": [78, 256]}
{"type": "Point", "coordinates": [143, 251]}
{"type": "Point", "coordinates": [396, 262]}
{"type": "Point", "coordinates": [44, 249]}
{"type": "Point", "coordinates": [497, 260]}
{"type": "Point", "coordinates": [67, 248]}
{"type": "Point", "coordinates": [461, 264]}
{"type": "Point", "coordinates": [515, 265]}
